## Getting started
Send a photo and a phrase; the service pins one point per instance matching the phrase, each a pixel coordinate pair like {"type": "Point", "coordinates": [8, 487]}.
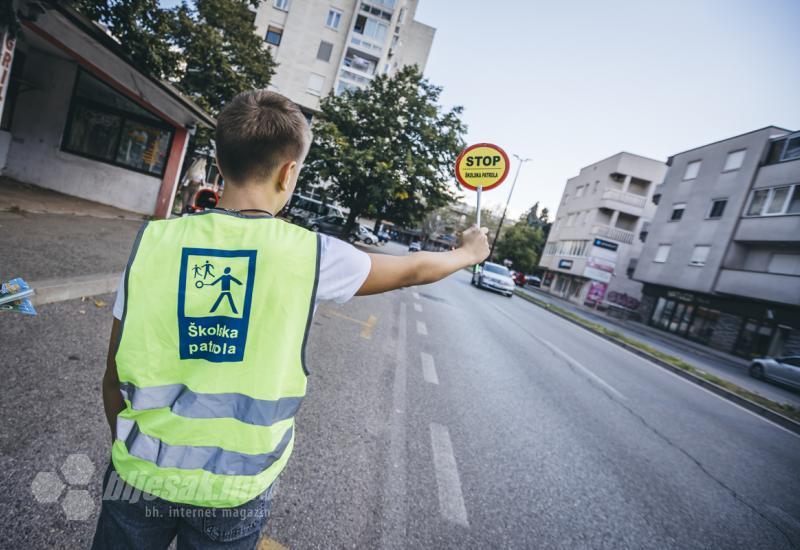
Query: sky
{"type": "Point", "coordinates": [568, 82]}
{"type": "Point", "coordinates": [571, 82]}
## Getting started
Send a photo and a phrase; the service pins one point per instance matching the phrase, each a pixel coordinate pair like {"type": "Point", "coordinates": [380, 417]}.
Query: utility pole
{"type": "Point", "coordinates": [503, 217]}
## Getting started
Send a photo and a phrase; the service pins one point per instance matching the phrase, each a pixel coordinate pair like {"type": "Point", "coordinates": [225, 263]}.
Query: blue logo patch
{"type": "Point", "coordinates": [214, 295]}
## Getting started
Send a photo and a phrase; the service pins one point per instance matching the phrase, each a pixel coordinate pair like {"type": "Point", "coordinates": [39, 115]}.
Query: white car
{"type": "Point", "coordinates": [366, 236]}
{"type": "Point", "coordinates": [494, 277]}
{"type": "Point", "coordinates": [785, 370]}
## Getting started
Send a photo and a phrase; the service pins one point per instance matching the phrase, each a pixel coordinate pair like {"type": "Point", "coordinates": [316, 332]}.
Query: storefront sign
{"type": "Point", "coordinates": [565, 264]}
{"type": "Point", "coordinates": [597, 291]}
{"type": "Point", "coordinates": [599, 269]}
{"type": "Point", "coordinates": [6, 59]}
{"type": "Point", "coordinates": [600, 243]}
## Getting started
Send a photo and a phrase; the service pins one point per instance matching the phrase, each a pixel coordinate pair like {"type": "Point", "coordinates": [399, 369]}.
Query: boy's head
{"type": "Point", "coordinates": [262, 138]}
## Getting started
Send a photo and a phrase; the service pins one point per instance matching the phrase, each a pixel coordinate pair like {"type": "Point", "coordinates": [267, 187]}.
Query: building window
{"type": "Point", "coordinates": [274, 35]}
{"type": "Point", "coordinates": [692, 169]}
{"type": "Point", "coordinates": [324, 51]}
{"type": "Point", "coordinates": [106, 126]}
{"type": "Point", "coordinates": [784, 264]}
{"type": "Point", "coordinates": [775, 201]}
{"type": "Point", "coordinates": [786, 148]}
{"type": "Point", "coordinates": [677, 211]}
{"type": "Point", "coordinates": [579, 191]}
{"type": "Point", "coordinates": [734, 160]}
{"type": "Point", "coordinates": [282, 5]}
{"type": "Point", "coordinates": [333, 19]}
{"type": "Point", "coordinates": [371, 28]}
{"type": "Point", "coordinates": [699, 255]}
{"type": "Point", "coordinates": [717, 208]}
{"type": "Point", "coordinates": [315, 84]}
{"type": "Point", "coordinates": [662, 253]}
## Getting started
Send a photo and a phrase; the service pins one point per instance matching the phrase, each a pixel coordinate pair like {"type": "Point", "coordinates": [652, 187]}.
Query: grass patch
{"type": "Point", "coordinates": [780, 408]}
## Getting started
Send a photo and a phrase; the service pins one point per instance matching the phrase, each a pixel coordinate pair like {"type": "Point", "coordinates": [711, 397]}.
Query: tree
{"type": "Point", "coordinates": [388, 149]}
{"type": "Point", "coordinates": [207, 48]}
{"type": "Point", "coordinates": [524, 242]}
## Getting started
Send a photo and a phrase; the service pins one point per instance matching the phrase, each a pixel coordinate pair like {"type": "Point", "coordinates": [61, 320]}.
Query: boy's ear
{"type": "Point", "coordinates": [286, 174]}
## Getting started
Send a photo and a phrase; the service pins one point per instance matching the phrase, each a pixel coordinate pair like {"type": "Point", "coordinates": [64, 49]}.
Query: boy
{"type": "Point", "coordinates": [206, 364]}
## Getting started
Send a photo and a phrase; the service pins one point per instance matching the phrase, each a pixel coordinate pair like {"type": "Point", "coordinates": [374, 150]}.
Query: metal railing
{"type": "Point", "coordinates": [627, 198]}
{"type": "Point", "coordinates": [613, 233]}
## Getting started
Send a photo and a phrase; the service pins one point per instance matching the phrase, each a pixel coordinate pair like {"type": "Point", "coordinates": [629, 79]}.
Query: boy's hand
{"type": "Point", "coordinates": [475, 243]}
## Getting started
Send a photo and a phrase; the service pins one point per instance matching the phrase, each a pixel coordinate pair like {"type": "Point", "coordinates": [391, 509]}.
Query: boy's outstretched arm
{"type": "Point", "coordinates": [391, 272]}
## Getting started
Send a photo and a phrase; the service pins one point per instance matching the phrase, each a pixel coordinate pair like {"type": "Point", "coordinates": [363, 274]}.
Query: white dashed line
{"type": "Point", "coordinates": [583, 369]}
{"type": "Point", "coordinates": [428, 368]}
{"type": "Point", "coordinates": [418, 307]}
{"type": "Point", "coordinates": [451, 501]}
{"type": "Point", "coordinates": [422, 328]}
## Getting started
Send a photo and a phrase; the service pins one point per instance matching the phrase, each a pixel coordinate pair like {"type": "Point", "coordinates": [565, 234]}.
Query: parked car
{"type": "Point", "coordinates": [366, 236]}
{"type": "Point", "coordinates": [301, 209]}
{"type": "Point", "coordinates": [785, 370]}
{"type": "Point", "coordinates": [519, 278]}
{"type": "Point", "coordinates": [533, 280]}
{"type": "Point", "coordinates": [334, 226]}
{"type": "Point", "coordinates": [415, 247]}
{"type": "Point", "coordinates": [494, 277]}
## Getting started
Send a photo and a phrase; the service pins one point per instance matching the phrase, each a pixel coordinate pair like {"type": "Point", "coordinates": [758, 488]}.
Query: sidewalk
{"type": "Point", "coordinates": [64, 246]}
{"type": "Point", "coordinates": [719, 363]}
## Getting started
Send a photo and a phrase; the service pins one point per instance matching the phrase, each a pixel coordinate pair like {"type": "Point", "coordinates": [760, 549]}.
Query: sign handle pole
{"type": "Point", "coordinates": [477, 221]}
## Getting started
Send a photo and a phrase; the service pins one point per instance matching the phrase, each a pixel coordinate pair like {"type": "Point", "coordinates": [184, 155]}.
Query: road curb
{"type": "Point", "coordinates": [752, 406]}
{"type": "Point", "coordinates": [49, 291]}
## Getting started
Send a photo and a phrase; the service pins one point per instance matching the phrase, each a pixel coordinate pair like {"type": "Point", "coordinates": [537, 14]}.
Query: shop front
{"type": "Point", "coordinates": [738, 325]}
{"type": "Point", "coordinates": [79, 119]}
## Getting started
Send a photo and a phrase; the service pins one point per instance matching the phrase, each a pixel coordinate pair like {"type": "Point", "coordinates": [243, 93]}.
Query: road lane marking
{"type": "Point", "coordinates": [415, 295]}
{"type": "Point", "coordinates": [422, 328]}
{"type": "Point", "coordinates": [418, 307]}
{"type": "Point", "coordinates": [428, 368]}
{"type": "Point", "coordinates": [369, 324]}
{"type": "Point", "coordinates": [451, 501]}
{"type": "Point", "coordinates": [393, 524]}
{"type": "Point", "coordinates": [580, 367]}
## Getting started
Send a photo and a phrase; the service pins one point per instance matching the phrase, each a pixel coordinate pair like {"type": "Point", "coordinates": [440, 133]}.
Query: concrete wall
{"type": "Point", "coordinates": [693, 228]}
{"type": "Point", "coordinates": [5, 144]}
{"type": "Point", "coordinates": [35, 154]}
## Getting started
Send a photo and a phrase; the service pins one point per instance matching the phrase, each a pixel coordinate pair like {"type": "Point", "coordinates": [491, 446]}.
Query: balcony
{"type": "Point", "coordinates": [773, 287]}
{"type": "Point", "coordinates": [613, 233]}
{"type": "Point", "coordinates": [611, 198]}
{"type": "Point", "coordinates": [769, 229]}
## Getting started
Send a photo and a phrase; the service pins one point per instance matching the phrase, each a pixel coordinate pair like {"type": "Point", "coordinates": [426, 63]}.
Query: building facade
{"type": "Point", "coordinates": [335, 45]}
{"type": "Point", "coordinates": [79, 118]}
{"type": "Point", "coordinates": [721, 262]}
{"type": "Point", "coordinates": [593, 247]}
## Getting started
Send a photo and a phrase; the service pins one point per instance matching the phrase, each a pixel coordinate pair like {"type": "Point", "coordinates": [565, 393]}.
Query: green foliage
{"type": "Point", "coordinates": [207, 48]}
{"type": "Point", "coordinates": [388, 149]}
{"type": "Point", "coordinates": [522, 245]}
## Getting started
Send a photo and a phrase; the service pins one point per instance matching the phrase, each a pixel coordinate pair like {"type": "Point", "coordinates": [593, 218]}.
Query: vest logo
{"type": "Point", "coordinates": [214, 294]}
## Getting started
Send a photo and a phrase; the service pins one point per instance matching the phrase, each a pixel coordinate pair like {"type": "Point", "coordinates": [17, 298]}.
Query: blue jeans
{"type": "Point", "coordinates": [146, 521]}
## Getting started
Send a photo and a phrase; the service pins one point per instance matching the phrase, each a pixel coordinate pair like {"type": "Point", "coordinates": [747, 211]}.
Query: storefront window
{"type": "Point", "coordinates": [104, 125]}
{"type": "Point", "coordinates": [755, 338]}
{"type": "Point", "coordinates": [702, 326]}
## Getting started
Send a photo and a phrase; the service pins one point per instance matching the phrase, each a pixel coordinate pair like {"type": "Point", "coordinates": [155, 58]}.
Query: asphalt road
{"type": "Point", "coordinates": [440, 417]}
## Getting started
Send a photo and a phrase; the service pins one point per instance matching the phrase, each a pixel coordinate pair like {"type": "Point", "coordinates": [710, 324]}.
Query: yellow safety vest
{"type": "Point", "coordinates": [211, 356]}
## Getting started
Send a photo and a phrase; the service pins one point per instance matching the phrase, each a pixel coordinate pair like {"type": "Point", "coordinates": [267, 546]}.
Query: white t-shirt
{"type": "Point", "coordinates": [342, 270]}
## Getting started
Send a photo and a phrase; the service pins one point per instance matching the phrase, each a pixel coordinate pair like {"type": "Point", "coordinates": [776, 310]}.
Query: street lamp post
{"type": "Point", "coordinates": [503, 217]}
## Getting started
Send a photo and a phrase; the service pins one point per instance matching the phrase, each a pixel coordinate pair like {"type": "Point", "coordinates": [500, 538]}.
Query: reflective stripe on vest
{"type": "Point", "coordinates": [211, 355]}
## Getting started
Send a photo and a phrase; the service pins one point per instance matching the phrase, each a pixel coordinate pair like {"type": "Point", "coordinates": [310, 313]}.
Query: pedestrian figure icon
{"type": "Point", "coordinates": [225, 290]}
{"type": "Point", "coordinates": [207, 268]}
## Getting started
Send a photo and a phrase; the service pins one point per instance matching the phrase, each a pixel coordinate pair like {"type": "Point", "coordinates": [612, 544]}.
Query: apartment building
{"type": "Point", "coordinates": [593, 247]}
{"type": "Point", "coordinates": [721, 262]}
{"type": "Point", "coordinates": [338, 45]}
